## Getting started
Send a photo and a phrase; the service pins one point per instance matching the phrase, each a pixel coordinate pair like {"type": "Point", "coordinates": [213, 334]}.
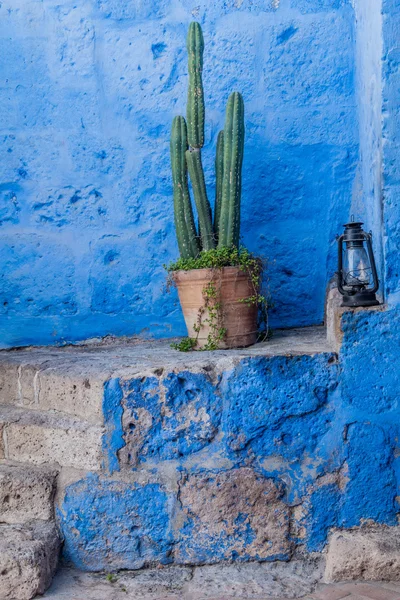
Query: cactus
{"type": "Point", "coordinates": [195, 101]}
{"type": "Point", "coordinates": [186, 144]}
{"type": "Point", "coordinates": [219, 172]}
{"type": "Point", "coordinates": [193, 159]}
{"type": "Point", "coordinates": [229, 222]}
{"type": "Point", "coordinates": [184, 221]}
{"type": "Point", "coordinates": [195, 119]}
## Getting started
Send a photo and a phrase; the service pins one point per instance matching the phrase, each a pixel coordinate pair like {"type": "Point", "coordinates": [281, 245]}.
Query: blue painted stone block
{"type": "Point", "coordinates": [370, 359]}
{"type": "Point", "coordinates": [371, 489]}
{"type": "Point", "coordinates": [323, 508]}
{"type": "Point", "coordinates": [270, 396]}
{"type": "Point", "coordinates": [110, 525]}
{"type": "Point", "coordinates": [113, 440]}
{"type": "Point", "coordinates": [170, 420]}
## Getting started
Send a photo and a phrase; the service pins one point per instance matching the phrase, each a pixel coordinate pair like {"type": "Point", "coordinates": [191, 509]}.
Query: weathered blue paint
{"type": "Point", "coordinates": [85, 185]}
{"type": "Point", "coordinates": [317, 432]}
{"type": "Point", "coordinates": [322, 509]}
{"type": "Point", "coordinates": [114, 525]}
{"type": "Point", "coordinates": [113, 439]}
{"type": "Point", "coordinates": [181, 422]}
{"type": "Point", "coordinates": [310, 440]}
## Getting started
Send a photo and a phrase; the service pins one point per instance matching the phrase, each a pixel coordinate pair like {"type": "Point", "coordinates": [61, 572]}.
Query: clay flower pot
{"type": "Point", "coordinates": [231, 286]}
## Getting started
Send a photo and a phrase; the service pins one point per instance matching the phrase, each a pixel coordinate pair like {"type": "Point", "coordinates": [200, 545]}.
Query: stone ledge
{"type": "Point", "coordinates": [71, 379]}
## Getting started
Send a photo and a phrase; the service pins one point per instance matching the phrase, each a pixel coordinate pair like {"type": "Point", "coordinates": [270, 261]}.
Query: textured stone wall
{"type": "Point", "coordinates": [88, 91]}
{"type": "Point", "coordinates": [204, 466]}
{"type": "Point", "coordinates": [250, 462]}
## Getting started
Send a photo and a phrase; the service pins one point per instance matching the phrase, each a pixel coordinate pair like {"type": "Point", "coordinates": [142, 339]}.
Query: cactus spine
{"type": "Point", "coordinates": [184, 221]}
{"type": "Point", "coordinates": [229, 222]}
{"type": "Point", "coordinates": [186, 143]}
{"type": "Point", "coordinates": [219, 173]}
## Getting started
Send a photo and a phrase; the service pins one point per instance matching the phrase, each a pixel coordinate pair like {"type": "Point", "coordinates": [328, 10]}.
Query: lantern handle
{"type": "Point", "coordinates": [368, 237]}
{"type": "Point", "coordinates": [339, 274]}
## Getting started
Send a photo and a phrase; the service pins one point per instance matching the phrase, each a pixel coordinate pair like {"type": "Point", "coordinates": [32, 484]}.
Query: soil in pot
{"type": "Point", "coordinates": [217, 306]}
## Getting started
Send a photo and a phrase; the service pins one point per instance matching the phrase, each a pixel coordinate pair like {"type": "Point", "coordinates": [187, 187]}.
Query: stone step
{"type": "Point", "coordinates": [53, 380]}
{"type": "Point", "coordinates": [53, 438]}
{"type": "Point", "coordinates": [28, 559]}
{"type": "Point", "coordinates": [26, 493]}
{"type": "Point", "coordinates": [71, 379]}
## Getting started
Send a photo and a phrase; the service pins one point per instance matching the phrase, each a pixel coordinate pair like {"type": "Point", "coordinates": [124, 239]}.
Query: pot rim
{"type": "Point", "coordinates": [202, 272]}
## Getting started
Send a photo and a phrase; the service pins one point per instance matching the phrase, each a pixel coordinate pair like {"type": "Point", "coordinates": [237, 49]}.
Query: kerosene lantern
{"type": "Point", "coordinates": [357, 279]}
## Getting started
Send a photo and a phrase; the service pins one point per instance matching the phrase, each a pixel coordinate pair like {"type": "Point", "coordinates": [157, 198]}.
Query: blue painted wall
{"type": "Point", "coordinates": [88, 90]}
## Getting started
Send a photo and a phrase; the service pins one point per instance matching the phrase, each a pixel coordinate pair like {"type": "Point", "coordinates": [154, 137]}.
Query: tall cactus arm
{"type": "Point", "coordinates": [193, 159]}
{"type": "Point", "coordinates": [219, 171]}
{"type": "Point", "coordinates": [184, 222]}
{"type": "Point", "coordinates": [195, 104]}
{"type": "Point", "coordinates": [229, 223]}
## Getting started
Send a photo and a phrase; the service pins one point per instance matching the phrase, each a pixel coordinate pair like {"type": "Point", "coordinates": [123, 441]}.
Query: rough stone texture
{"type": "Point", "coordinates": [50, 438]}
{"type": "Point", "coordinates": [176, 417]}
{"type": "Point", "coordinates": [267, 580]}
{"type": "Point", "coordinates": [87, 177]}
{"type": "Point", "coordinates": [28, 559]}
{"type": "Point", "coordinates": [233, 515]}
{"type": "Point", "coordinates": [365, 553]}
{"type": "Point", "coordinates": [110, 525]}
{"type": "Point", "coordinates": [26, 494]}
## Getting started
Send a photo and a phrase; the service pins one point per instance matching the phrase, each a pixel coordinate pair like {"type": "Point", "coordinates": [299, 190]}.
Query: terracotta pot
{"type": "Point", "coordinates": [238, 318]}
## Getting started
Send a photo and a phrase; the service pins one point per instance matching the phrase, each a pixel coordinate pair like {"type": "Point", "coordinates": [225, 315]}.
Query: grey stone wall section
{"type": "Point", "coordinates": [369, 553]}
{"type": "Point", "coordinates": [28, 559]}
{"type": "Point", "coordinates": [226, 506]}
{"type": "Point", "coordinates": [26, 494]}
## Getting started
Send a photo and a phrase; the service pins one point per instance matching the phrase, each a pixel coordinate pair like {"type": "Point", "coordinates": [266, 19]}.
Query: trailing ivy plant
{"type": "Point", "coordinates": [210, 312]}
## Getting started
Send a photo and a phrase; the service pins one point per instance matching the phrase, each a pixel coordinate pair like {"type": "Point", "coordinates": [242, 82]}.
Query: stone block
{"type": "Point", "coordinates": [28, 559]}
{"type": "Point", "coordinates": [369, 553]}
{"type": "Point", "coordinates": [333, 318]}
{"type": "Point", "coordinates": [40, 438]}
{"type": "Point", "coordinates": [267, 398]}
{"type": "Point", "coordinates": [111, 525]}
{"type": "Point", "coordinates": [173, 419]}
{"type": "Point", "coordinates": [75, 392]}
{"type": "Point", "coordinates": [369, 355]}
{"type": "Point", "coordinates": [279, 579]}
{"type": "Point", "coordinates": [371, 488]}
{"type": "Point", "coordinates": [26, 494]}
{"type": "Point", "coordinates": [232, 515]}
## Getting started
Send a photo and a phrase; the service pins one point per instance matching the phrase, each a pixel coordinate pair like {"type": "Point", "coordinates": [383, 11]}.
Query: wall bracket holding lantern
{"type": "Point", "coordinates": [357, 279]}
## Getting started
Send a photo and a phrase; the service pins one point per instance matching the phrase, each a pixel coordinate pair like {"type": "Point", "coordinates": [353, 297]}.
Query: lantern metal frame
{"type": "Point", "coordinates": [357, 294]}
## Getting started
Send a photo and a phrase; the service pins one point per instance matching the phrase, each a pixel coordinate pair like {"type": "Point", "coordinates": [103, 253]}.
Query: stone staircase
{"type": "Point", "coordinates": [29, 538]}
{"type": "Point", "coordinates": [49, 421]}
{"type": "Point", "coordinates": [66, 422]}
{"type": "Point", "coordinates": [144, 457]}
